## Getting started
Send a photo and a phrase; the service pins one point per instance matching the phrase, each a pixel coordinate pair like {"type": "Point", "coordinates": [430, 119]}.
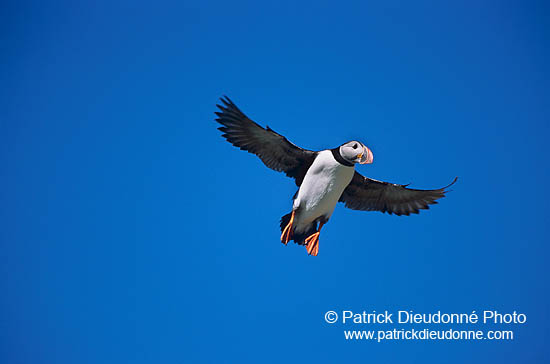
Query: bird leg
{"type": "Point", "coordinates": [312, 241]}
{"type": "Point", "coordinates": [287, 231]}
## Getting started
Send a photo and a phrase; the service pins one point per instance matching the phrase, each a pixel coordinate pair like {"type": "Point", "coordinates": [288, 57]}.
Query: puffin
{"type": "Point", "coordinates": [323, 178]}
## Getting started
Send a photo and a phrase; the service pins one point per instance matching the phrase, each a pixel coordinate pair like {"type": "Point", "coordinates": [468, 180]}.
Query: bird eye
{"type": "Point", "coordinates": [355, 146]}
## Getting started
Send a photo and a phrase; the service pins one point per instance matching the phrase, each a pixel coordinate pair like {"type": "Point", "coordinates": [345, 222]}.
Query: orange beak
{"type": "Point", "coordinates": [366, 156]}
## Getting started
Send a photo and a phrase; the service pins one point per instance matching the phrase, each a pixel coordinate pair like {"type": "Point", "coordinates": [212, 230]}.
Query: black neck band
{"type": "Point", "coordinates": [339, 158]}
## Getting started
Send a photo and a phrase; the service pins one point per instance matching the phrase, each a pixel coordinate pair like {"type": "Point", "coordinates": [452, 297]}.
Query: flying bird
{"type": "Point", "coordinates": [324, 178]}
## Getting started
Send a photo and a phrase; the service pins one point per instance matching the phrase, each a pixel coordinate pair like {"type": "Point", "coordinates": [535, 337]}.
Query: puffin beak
{"type": "Point", "coordinates": [366, 157]}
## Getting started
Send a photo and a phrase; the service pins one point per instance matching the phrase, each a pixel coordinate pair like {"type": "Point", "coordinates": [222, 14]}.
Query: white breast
{"type": "Point", "coordinates": [321, 188]}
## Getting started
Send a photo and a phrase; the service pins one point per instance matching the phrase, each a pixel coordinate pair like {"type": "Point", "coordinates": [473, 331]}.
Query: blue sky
{"type": "Point", "coordinates": [133, 233]}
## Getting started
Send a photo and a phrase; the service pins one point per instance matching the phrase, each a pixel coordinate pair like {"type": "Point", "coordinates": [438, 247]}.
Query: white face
{"type": "Point", "coordinates": [356, 152]}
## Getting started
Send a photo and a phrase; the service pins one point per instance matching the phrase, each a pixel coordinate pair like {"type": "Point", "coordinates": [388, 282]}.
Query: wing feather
{"type": "Point", "coordinates": [368, 194]}
{"type": "Point", "coordinates": [274, 150]}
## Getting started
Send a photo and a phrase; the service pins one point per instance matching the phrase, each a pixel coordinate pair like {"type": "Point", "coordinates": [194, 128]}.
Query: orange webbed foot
{"type": "Point", "coordinates": [312, 241]}
{"type": "Point", "coordinates": [287, 231]}
{"type": "Point", "coordinates": [312, 244]}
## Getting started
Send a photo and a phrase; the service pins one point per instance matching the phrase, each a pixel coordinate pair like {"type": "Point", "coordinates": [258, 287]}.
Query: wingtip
{"type": "Point", "coordinates": [226, 100]}
{"type": "Point", "coordinates": [450, 184]}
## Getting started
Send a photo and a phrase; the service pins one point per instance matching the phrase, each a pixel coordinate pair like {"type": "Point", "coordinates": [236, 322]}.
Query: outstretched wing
{"type": "Point", "coordinates": [371, 195]}
{"type": "Point", "coordinates": [273, 149]}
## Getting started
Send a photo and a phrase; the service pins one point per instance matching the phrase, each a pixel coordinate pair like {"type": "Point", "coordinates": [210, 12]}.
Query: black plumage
{"type": "Point", "coordinates": [274, 150]}
{"type": "Point", "coordinates": [368, 194]}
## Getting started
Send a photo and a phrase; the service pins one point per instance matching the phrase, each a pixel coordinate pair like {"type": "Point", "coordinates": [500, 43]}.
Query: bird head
{"type": "Point", "coordinates": [356, 152]}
